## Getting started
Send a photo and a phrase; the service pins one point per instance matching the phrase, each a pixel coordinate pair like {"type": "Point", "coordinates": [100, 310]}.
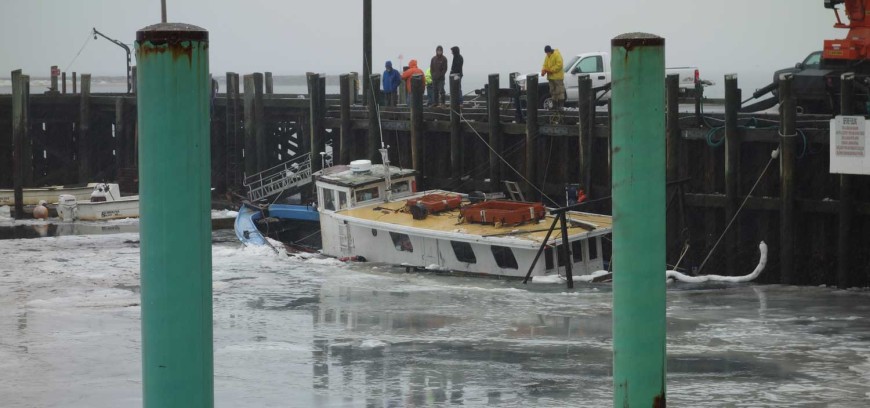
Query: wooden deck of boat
{"type": "Point", "coordinates": [448, 221]}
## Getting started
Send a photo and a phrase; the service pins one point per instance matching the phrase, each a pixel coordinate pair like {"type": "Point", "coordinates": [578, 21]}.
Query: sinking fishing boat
{"type": "Point", "coordinates": [374, 212]}
{"type": "Point", "coordinates": [32, 196]}
{"type": "Point", "coordinates": [104, 203]}
{"type": "Point", "coordinates": [297, 226]}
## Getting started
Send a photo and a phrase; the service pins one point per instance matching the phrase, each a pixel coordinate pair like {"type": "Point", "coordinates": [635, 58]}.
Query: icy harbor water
{"type": "Point", "coordinates": [297, 332]}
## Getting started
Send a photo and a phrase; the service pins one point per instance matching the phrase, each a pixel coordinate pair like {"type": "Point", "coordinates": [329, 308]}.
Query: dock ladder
{"type": "Point", "coordinates": [514, 190]}
{"type": "Point", "coordinates": [295, 172]}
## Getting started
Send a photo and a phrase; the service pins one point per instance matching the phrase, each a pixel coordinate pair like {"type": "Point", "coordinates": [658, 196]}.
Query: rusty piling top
{"type": "Point", "coordinates": [630, 40]}
{"type": "Point", "coordinates": [171, 32]}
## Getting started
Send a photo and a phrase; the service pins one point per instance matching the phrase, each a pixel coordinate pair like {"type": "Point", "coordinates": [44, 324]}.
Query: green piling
{"type": "Point", "coordinates": [638, 159]}
{"type": "Point", "coordinates": [175, 227]}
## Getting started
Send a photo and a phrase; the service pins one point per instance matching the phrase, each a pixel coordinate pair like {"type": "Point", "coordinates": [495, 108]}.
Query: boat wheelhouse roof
{"type": "Point", "coordinates": [342, 175]}
{"type": "Point", "coordinates": [581, 224]}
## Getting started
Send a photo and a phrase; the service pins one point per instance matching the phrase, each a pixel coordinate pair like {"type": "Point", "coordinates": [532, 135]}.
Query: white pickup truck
{"type": "Point", "coordinates": [597, 66]}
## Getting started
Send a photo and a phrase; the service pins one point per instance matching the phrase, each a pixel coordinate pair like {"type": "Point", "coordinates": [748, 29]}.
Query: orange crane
{"type": "Point", "coordinates": [856, 45]}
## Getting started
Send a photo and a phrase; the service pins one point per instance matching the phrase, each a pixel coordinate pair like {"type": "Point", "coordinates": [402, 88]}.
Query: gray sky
{"type": "Point", "coordinates": [750, 37]}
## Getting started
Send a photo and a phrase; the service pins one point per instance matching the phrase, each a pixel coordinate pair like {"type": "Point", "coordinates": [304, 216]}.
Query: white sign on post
{"type": "Point", "coordinates": [849, 153]}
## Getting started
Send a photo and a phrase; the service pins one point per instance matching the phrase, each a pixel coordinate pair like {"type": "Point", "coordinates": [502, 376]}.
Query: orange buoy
{"type": "Point", "coordinates": [40, 211]}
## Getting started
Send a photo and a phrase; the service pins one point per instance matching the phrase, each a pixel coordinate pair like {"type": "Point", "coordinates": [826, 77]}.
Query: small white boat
{"type": "Point", "coordinates": [373, 212]}
{"type": "Point", "coordinates": [104, 203]}
{"type": "Point", "coordinates": [32, 196]}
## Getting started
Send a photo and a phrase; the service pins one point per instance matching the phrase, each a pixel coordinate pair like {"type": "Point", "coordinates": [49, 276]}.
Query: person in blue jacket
{"type": "Point", "coordinates": [391, 78]}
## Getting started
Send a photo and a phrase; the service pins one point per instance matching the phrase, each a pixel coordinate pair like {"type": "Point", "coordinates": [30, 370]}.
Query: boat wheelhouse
{"type": "Point", "coordinates": [369, 211]}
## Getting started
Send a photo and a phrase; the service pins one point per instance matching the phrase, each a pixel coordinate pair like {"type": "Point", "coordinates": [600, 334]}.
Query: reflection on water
{"type": "Point", "coordinates": [60, 228]}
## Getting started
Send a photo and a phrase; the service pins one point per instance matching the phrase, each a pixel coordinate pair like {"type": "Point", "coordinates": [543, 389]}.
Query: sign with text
{"type": "Point", "coordinates": [848, 146]}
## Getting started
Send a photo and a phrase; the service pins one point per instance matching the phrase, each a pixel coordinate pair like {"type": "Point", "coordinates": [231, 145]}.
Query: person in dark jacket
{"type": "Point", "coordinates": [438, 65]}
{"type": "Point", "coordinates": [456, 68]}
{"type": "Point", "coordinates": [391, 79]}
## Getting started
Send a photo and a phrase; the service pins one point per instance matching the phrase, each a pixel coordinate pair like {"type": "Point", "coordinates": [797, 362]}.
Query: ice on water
{"type": "Point", "coordinates": [301, 331]}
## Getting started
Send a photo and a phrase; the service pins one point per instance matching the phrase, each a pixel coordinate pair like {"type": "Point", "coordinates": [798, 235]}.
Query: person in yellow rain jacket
{"type": "Point", "coordinates": [429, 85]}
{"type": "Point", "coordinates": [554, 71]}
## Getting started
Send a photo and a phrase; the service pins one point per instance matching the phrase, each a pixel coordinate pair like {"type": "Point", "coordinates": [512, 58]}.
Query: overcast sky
{"type": "Point", "coordinates": [292, 37]}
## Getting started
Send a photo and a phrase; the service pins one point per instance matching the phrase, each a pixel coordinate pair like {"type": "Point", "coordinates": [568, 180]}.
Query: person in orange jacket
{"type": "Point", "coordinates": [411, 71]}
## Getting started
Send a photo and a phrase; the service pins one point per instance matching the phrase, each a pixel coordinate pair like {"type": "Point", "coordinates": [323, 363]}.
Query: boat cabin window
{"type": "Point", "coordinates": [402, 187]}
{"type": "Point", "coordinates": [548, 257]}
{"type": "Point", "coordinates": [367, 194]}
{"type": "Point", "coordinates": [328, 199]}
{"type": "Point", "coordinates": [577, 251]}
{"type": "Point", "coordinates": [402, 242]}
{"type": "Point", "coordinates": [342, 200]}
{"type": "Point", "coordinates": [463, 252]}
{"type": "Point", "coordinates": [593, 248]}
{"type": "Point", "coordinates": [504, 257]}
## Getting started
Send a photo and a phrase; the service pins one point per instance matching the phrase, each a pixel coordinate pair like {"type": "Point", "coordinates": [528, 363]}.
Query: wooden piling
{"type": "Point", "coordinates": [251, 165]}
{"type": "Point", "coordinates": [732, 165]}
{"type": "Point", "coordinates": [586, 123]}
{"type": "Point", "coordinates": [234, 139]}
{"type": "Point", "coordinates": [262, 145]}
{"type": "Point", "coordinates": [133, 79]}
{"type": "Point", "coordinates": [699, 100]}
{"type": "Point", "coordinates": [314, 120]}
{"type": "Point", "coordinates": [20, 128]}
{"type": "Point", "coordinates": [374, 135]}
{"type": "Point", "coordinates": [63, 83]}
{"type": "Point", "coordinates": [84, 138]}
{"type": "Point", "coordinates": [846, 204]}
{"type": "Point", "coordinates": [120, 134]}
{"type": "Point", "coordinates": [672, 104]}
{"type": "Point", "coordinates": [495, 139]}
{"type": "Point", "coordinates": [342, 155]}
{"type": "Point", "coordinates": [54, 78]}
{"type": "Point", "coordinates": [74, 83]}
{"type": "Point", "coordinates": [787, 181]}
{"type": "Point", "coordinates": [367, 46]}
{"type": "Point", "coordinates": [455, 127]}
{"type": "Point", "coordinates": [533, 139]}
{"type": "Point", "coordinates": [566, 250]}
{"type": "Point", "coordinates": [269, 87]}
{"type": "Point", "coordinates": [319, 144]}
{"type": "Point", "coordinates": [417, 82]}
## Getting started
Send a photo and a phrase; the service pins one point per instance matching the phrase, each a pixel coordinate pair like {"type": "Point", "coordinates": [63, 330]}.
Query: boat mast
{"type": "Point", "coordinates": [385, 157]}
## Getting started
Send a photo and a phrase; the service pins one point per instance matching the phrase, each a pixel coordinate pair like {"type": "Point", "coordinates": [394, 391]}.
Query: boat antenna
{"type": "Point", "coordinates": [385, 157]}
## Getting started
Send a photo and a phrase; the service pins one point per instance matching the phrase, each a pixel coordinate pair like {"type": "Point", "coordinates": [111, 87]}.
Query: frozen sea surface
{"type": "Point", "coordinates": [299, 332]}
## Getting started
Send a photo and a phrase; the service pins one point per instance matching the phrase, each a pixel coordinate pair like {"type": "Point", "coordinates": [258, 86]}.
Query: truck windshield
{"type": "Point", "coordinates": [813, 60]}
{"type": "Point", "coordinates": [568, 66]}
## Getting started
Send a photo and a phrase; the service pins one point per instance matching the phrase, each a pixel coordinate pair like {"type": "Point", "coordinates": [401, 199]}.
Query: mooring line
{"type": "Point", "coordinates": [87, 40]}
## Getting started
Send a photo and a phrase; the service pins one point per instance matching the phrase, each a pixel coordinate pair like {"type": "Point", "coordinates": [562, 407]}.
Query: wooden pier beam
{"type": "Point", "coordinates": [586, 122]}
{"type": "Point", "coordinates": [495, 138]}
{"type": "Point", "coordinates": [84, 138]}
{"type": "Point", "coordinates": [455, 126]}
{"type": "Point", "coordinates": [250, 127]}
{"type": "Point", "coordinates": [342, 155]}
{"type": "Point", "coordinates": [374, 136]}
{"type": "Point", "coordinates": [534, 140]}
{"type": "Point", "coordinates": [732, 168]}
{"type": "Point", "coordinates": [20, 136]}
{"type": "Point", "coordinates": [269, 88]}
{"type": "Point", "coordinates": [417, 126]}
{"type": "Point", "coordinates": [787, 182]}
{"type": "Point", "coordinates": [846, 204]}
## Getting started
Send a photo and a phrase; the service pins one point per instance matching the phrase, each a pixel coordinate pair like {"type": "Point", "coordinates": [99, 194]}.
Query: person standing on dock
{"type": "Point", "coordinates": [554, 71]}
{"type": "Point", "coordinates": [429, 85]}
{"type": "Point", "coordinates": [456, 67]}
{"type": "Point", "coordinates": [411, 71]}
{"type": "Point", "coordinates": [391, 79]}
{"type": "Point", "coordinates": [438, 65]}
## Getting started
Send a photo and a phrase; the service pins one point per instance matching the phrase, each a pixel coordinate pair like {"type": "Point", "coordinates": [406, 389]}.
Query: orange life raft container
{"type": "Point", "coordinates": [503, 211]}
{"type": "Point", "coordinates": [435, 203]}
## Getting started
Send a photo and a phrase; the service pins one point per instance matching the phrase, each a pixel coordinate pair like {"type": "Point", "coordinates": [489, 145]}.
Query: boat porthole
{"type": "Point", "coordinates": [374, 232]}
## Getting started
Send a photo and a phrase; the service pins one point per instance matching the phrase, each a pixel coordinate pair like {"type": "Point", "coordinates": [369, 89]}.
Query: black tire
{"type": "Point", "coordinates": [545, 101]}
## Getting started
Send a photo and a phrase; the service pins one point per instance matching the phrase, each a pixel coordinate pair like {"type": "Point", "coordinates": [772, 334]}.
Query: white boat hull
{"type": "Point", "coordinates": [125, 207]}
{"type": "Point", "coordinates": [32, 196]}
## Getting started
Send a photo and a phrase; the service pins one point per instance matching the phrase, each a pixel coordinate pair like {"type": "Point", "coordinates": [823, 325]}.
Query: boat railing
{"type": "Point", "coordinates": [291, 173]}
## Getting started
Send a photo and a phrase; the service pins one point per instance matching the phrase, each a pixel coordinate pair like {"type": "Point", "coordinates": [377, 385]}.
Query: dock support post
{"type": "Point", "coordinates": [63, 83]}
{"type": "Point", "coordinates": [374, 87]}
{"type": "Point", "coordinates": [417, 126]}
{"type": "Point", "coordinates": [495, 139]}
{"type": "Point", "coordinates": [639, 220]}
{"type": "Point", "coordinates": [699, 101]}
{"type": "Point", "coordinates": [234, 144]}
{"type": "Point", "coordinates": [84, 139]}
{"type": "Point", "coordinates": [787, 183]}
{"type": "Point", "coordinates": [533, 139]}
{"type": "Point", "coordinates": [586, 123]}
{"type": "Point", "coordinates": [54, 77]}
{"type": "Point", "coordinates": [367, 47]}
{"type": "Point", "coordinates": [133, 76]}
{"type": "Point", "coordinates": [342, 156]}
{"type": "Point", "coordinates": [175, 255]}
{"type": "Point", "coordinates": [20, 137]}
{"type": "Point", "coordinates": [268, 82]}
{"type": "Point", "coordinates": [566, 249]}
{"type": "Point", "coordinates": [732, 172]}
{"type": "Point", "coordinates": [846, 206]}
{"type": "Point", "coordinates": [259, 122]}
{"type": "Point", "coordinates": [250, 127]}
{"type": "Point", "coordinates": [316, 121]}
{"type": "Point", "coordinates": [74, 83]}
{"type": "Point", "coordinates": [672, 95]}
{"type": "Point", "coordinates": [455, 127]}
